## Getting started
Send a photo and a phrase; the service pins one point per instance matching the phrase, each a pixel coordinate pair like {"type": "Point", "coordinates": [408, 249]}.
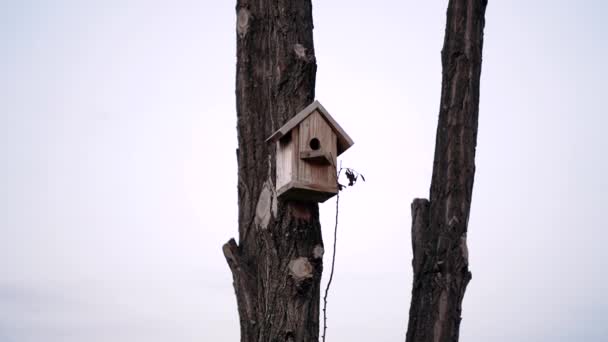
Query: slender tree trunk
{"type": "Point", "coordinates": [277, 264]}
{"type": "Point", "coordinates": [439, 225]}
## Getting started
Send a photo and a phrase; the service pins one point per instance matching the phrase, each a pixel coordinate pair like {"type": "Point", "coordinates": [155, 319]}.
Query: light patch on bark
{"type": "Point", "coordinates": [464, 249]}
{"type": "Point", "coordinates": [300, 268]}
{"type": "Point", "coordinates": [266, 207]}
{"type": "Point", "coordinates": [270, 184]}
{"type": "Point", "coordinates": [274, 206]}
{"type": "Point", "coordinates": [453, 221]}
{"type": "Point", "coordinates": [300, 51]}
{"type": "Point", "coordinates": [318, 252]}
{"type": "Point", "coordinates": [443, 308]}
{"type": "Point", "coordinates": [448, 204]}
{"type": "Point", "coordinates": [242, 22]}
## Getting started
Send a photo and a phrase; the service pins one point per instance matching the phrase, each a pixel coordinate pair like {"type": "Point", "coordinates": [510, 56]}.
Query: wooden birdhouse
{"type": "Point", "coordinates": [307, 149]}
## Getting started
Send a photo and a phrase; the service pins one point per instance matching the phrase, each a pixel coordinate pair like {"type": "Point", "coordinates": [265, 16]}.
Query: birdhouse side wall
{"type": "Point", "coordinates": [315, 174]}
{"type": "Point", "coordinates": [287, 155]}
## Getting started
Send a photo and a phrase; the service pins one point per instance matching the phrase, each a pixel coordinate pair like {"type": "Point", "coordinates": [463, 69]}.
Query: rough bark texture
{"type": "Point", "coordinates": [439, 225]}
{"type": "Point", "coordinates": [277, 264]}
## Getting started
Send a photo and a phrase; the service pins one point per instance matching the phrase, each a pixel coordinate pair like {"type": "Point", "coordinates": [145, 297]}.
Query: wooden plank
{"type": "Point", "coordinates": [285, 154]}
{"type": "Point", "coordinates": [316, 157]}
{"type": "Point", "coordinates": [295, 137]}
{"type": "Point", "coordinates": [305, 192]}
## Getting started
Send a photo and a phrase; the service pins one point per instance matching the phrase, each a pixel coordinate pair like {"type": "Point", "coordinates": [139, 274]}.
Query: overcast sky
{"type": "Point", "coordinates": [118, 177]}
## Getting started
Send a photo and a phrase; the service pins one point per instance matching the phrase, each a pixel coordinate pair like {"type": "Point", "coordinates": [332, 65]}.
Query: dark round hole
{"type": "Point", "coordinates": [314, 144]}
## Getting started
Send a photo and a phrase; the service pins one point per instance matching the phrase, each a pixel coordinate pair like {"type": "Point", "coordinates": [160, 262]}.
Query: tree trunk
{"type": "Point", "coordinates": [277, 265]}
{"type": "Point", "coordinates": [439, 225]}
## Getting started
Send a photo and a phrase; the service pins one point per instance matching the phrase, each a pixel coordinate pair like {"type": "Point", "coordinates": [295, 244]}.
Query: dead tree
{"type": "Point", "coordinates": [277, 264]}
{"type": "Point", "coordinates": [439, 225]}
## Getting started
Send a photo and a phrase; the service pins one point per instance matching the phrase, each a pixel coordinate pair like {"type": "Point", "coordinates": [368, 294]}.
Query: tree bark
{"type": "Point", "coordinates": [277, 265]}
{"type": "Point", "coordinates": [439, 225]}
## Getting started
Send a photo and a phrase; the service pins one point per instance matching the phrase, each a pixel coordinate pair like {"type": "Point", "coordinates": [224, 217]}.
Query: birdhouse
{"type": "Point", "coordinates": [307, 147]}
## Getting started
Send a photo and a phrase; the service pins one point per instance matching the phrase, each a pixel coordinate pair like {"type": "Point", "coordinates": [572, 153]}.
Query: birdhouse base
{"type": "Point", "coordinates": [298, 191]}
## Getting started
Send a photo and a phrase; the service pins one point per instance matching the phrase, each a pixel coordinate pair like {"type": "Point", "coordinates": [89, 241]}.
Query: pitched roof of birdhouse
{"type": "Point", "coordinates": [344, 141]}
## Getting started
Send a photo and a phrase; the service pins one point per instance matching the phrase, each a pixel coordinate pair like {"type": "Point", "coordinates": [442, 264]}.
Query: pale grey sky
{"type": "Point", "coordinates": [117, 136]}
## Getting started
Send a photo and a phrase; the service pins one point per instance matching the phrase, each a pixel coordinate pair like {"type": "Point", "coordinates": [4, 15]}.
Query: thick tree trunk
{"type": "Point", "coordinates": [439, 226]}
{"type": "Point", "coordinates": [277, 265]}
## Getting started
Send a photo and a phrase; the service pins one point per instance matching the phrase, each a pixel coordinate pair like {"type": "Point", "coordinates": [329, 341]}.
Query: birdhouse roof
{"type": "Point", "coordinates": [344, 141]}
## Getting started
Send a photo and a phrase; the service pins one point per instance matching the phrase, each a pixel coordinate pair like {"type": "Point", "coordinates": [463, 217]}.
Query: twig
{"type": "Point", "coordinates": [333, 261]}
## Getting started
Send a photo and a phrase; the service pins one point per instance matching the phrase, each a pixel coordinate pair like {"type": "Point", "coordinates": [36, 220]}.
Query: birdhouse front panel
{"type": "Point", "coordinates": [317, 152]}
